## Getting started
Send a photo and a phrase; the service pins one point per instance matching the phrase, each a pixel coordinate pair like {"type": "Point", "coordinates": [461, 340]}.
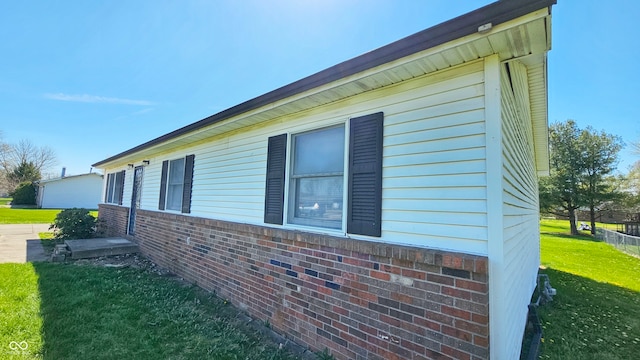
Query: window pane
{"type": "Point", "coordinates": [176, 172]}
{"type": "Point", "coordinates": [175, 184]}
{"type": "Point", "coordinates": [111, 181]}
{"type": "Point", "coordinates": [319, 152]}
{"type": "Point", "coordinates": [117, 192]}
{"type": "Point", "coordinates": [174, 197]}
{"type": "Point", "coordinates": [318, 201]}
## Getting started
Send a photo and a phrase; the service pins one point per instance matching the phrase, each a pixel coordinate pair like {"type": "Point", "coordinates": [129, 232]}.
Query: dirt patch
{"type": "Point", "coordinates": [135, 261]}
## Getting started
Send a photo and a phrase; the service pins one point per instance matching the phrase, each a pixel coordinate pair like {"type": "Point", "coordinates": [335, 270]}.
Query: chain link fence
{"type": "Point", "coordinates": [625, 243]}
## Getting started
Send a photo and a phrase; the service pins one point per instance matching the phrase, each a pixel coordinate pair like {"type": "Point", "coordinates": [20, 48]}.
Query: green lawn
{"type": "Point", "coordinates": [4, 201]}
{"type": "Point", "coordinates": [20, 320]}
{"type": "Point", "coordinates": [67, 311]}
{"type": "Point", "coordinates": [27, 216]}
{"type": "Point", "coordinates": [30, 216]}
{"type": "Point", "coordinates": [596, 314]}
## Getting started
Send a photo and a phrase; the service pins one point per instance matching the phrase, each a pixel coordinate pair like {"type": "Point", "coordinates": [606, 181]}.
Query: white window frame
{"type": "Point", "coordinates": [112, 193]}
{"type": "Point", "coordinates": [110, 189]}
{"type": "Point", "coordinates": [290, 217]}
{"type": "Point", "coordinates": [169, 194]}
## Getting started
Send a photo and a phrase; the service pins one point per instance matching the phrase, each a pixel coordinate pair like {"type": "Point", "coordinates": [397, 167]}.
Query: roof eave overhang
{"type": "Point", "coordinates": [448, 44]}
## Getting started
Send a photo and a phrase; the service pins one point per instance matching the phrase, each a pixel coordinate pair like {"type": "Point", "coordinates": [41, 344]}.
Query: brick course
{"type": "Point", "coordinates": [360, 299]}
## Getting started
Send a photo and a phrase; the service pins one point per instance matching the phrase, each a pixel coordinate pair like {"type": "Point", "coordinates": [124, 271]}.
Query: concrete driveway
{"type": "Point", "coordinates": [20, 243]}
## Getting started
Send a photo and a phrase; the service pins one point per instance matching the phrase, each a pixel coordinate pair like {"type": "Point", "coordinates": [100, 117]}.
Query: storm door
{"type": "Point", "coordinates": [135, 198]}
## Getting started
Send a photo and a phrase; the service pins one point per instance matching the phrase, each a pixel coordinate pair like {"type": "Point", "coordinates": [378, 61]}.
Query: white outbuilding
{"type": "Point", "coordinates": [80, 191]}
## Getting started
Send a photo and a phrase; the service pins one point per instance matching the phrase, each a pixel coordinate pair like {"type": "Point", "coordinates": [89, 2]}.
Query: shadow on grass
{"type": "Point", "coordinates": [105, 313]}
{"type": "Point", "coordinates": [590, 320]}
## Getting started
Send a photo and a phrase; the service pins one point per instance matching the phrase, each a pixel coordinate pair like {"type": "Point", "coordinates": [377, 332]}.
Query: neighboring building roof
{"type": "Point", "coordinates": [68, 177]}
{"type": "Point", "coordinates": [314, 90]}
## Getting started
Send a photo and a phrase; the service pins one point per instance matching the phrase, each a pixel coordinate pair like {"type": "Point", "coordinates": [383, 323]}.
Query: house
{"type": "Point", "coordinates": [65, 192]}
{"type": "Point", "coordinates": [386, 207]}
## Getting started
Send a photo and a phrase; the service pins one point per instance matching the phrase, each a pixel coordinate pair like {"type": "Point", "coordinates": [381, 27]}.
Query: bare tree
{"type": "Point", "coordinates": [42, 157]}
{"type": "Point", "coordinates": [14, 156]}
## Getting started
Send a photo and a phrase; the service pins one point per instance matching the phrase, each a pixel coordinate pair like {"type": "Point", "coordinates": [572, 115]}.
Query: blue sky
{"type": "Point", "coordinates": [91, 79]}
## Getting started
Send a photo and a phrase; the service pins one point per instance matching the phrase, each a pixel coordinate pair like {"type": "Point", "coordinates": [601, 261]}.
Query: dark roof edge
{"type": "Point", "coordinates": [467, 24]}
{"type": "Point", "coordinates": [68, 177]}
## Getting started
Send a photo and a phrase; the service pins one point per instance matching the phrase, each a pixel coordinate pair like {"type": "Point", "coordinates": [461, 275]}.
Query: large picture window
{"type": "Point", "coordinates": [317, 178]}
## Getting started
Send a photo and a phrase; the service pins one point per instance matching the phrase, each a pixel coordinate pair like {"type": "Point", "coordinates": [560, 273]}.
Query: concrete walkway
{"type": "Point", "coordinates": [21, 243]}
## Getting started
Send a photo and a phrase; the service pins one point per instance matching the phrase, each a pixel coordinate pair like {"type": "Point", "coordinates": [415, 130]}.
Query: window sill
{"type": "Point", "coordinates": [112, 204]}
{"type": "Point", "coordinates": [315, 230]}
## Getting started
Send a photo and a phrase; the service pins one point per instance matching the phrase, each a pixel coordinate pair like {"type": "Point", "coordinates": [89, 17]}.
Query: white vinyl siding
{"type": "Point", "coordinates": [434, 183]}
{"type": "Point", "coordinates": [520, 205]}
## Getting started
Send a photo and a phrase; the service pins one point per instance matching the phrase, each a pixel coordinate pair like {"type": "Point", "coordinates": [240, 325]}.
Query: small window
{"type": "Point", "coordinates": [175, 184]}
{"type": "Point", "coordinates": [317, 178]}
{"type": "Point", "coordinates": [115, 187]}
{"type": "Point", "coordinates": [111, 184]}
{"type": "Point", "coordinates": [176, 181]}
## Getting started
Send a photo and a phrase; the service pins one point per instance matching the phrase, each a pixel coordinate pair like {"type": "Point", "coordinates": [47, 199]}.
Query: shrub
{"type": "Point", "coordinates": [24, 194]}
{"type": "Point", "coordinates": [74, 224]}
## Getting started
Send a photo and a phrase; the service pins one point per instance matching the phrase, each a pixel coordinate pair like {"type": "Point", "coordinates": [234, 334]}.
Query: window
{"type": "Point", "coordinates": [316, 189]}
{"type": "Point", "coordinates": [111, 184]}
{"type": "Point", "coordinates": [317, 176]}
{"type": "Point", "coordinates": [176, 183]}
{"type": "Point", "coordinates": [115, 188]}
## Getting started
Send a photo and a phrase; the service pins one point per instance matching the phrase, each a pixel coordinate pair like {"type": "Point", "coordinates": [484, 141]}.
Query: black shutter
{"type": "Point", "coordinates": [119, 186]}
{"type": "Point", "coordinates": [163, 184]}
{"type": "Point", "coordinates": [274, 190]}
{"type": "Point", "coordinates": [364, 214]}
{"type": "Point", "coordinates": [187, 184]}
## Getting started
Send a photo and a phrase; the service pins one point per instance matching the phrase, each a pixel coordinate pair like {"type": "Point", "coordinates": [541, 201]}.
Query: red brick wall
{"type": "Point", "coordinates": [114, 219]}
{"type": "Point", "coordinates": [362, 300]}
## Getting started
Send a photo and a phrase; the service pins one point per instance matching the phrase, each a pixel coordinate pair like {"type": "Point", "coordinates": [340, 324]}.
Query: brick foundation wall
{"type": "Point", "coordinates": [362, 300]}
{"type": "Point", "coordinates": [114, 219]}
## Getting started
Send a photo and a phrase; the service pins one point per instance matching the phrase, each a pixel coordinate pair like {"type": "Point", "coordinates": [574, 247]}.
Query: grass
{"type": "Point", "coordinates": [30, 216]}
{"type": "Point", "coordinates": [596, 314]}
{"type": "Point", "coordinates": [20, 319]}
{"type": "Point", "coordinates": [5, 201]}
{"type": "Point", "coordinates": [71, 311]}
{"type": "Point", "coordinates": [27, 216]}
